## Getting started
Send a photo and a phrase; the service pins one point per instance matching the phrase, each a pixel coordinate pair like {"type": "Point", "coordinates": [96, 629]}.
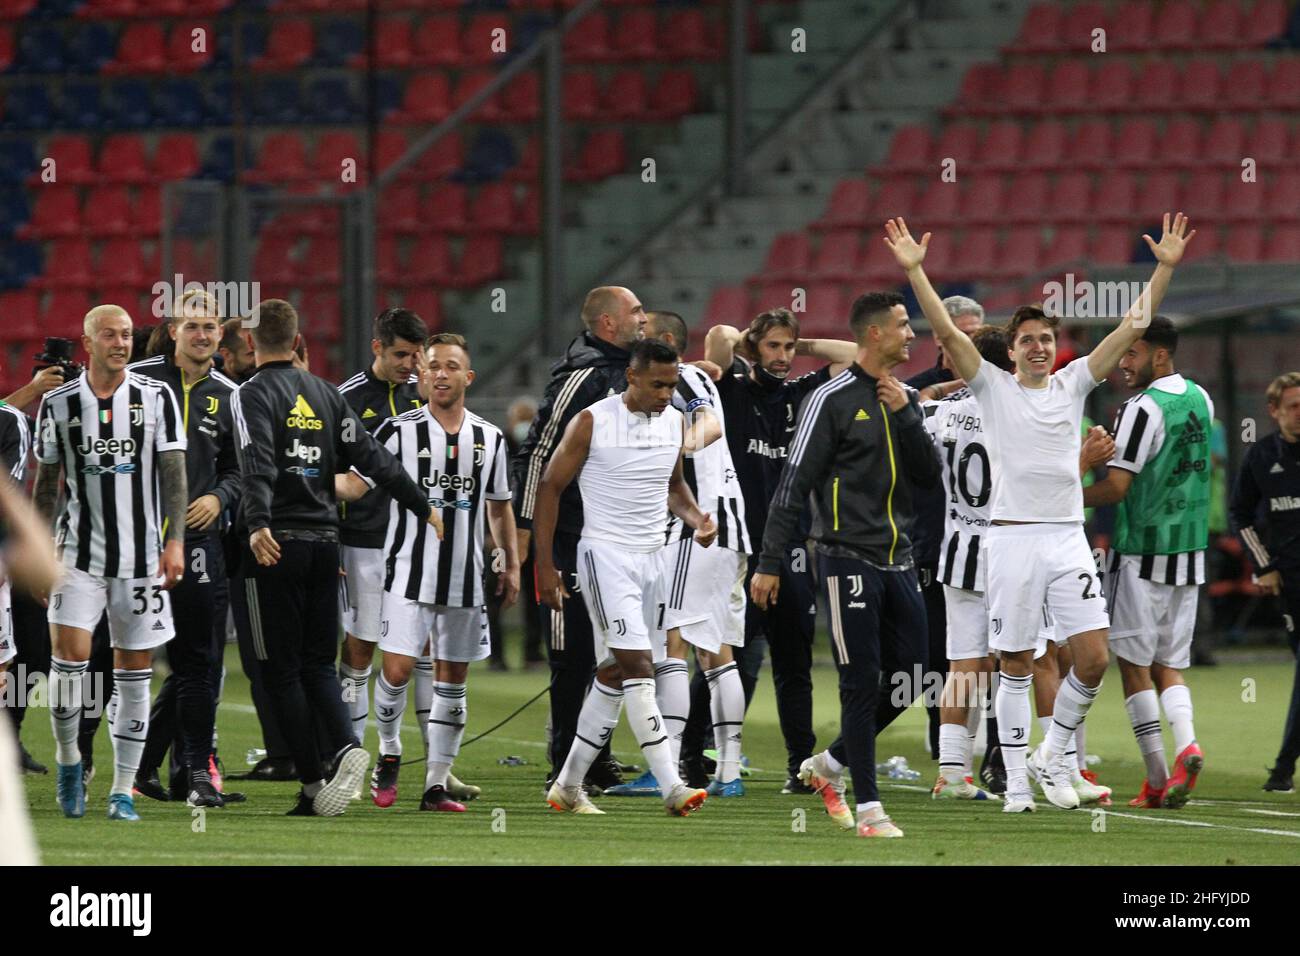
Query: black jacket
{"type": "Point", "coordinates": [860, 463]}
{"type": "Point", "coordinates": [295, 432]}
{"type": "Point", "coordinates": [591, 369]}
{"type": "Point", "coordinates": [364, 523]}
{"type": "Point", "coordinates": [1265, 505]}
{"type": "Point", "coordinates": [211, 467]}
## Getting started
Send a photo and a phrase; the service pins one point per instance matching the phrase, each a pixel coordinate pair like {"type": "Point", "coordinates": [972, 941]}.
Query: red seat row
{"type": "Point", "coordinates": [1136, 25]}
{"type": "Point", "coordinates": [430, 260]}
{"type": "Point", "coordinates": [146, 48]}
{"type": "Point", "coordinates": [122, 158]}
{"type": "Point", "coordinates": [448, 208]}
{"type": "Point", "coordinates": [118, 9]}
{"type": "Point", "coordinates": [72, 263]}
{"type": "Point", "coordinates": [639, 35]}
{"type": "Point", "coordinates": [106, 211]}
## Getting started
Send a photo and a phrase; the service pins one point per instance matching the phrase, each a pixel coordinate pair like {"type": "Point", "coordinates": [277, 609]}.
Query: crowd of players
{"type": "Point", "coordinates": [673, 511]}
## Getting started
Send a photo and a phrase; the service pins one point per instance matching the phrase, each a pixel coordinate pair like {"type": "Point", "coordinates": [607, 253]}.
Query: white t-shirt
{"type": "Point", "coordinates": [1033, 437]}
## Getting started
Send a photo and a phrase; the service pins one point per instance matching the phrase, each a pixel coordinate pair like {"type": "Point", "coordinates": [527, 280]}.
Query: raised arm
{"type": "Point", "coordinates": [1168, 251]}
{"type": "Point", "coordinates": [560, 472]}
{"type": "Point", "coordinates": [839, 353]}
{"type": "Point", "coordinates": [909, 254]}
{"type": "Point", "coordinates": [720, 345]}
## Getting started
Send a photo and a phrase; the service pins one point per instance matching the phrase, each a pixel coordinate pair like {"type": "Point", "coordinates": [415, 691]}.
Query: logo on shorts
{"type": "Point", "coordinates": [855, 585]}
{"type": "Point", "coordinates": [997, 625]}
{"type": "Point", "coordinates": [383, 628]}
{"type": "Point", "coordinates": [620, 626]}
{"type": "Point", "coordinates": [58, 601]}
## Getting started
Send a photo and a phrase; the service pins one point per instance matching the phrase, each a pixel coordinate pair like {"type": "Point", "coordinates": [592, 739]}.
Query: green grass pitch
{"type": "Point", "coordinates": [1240, 706]}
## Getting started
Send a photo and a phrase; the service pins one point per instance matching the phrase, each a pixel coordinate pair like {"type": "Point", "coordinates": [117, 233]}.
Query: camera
{"type": "Point", "coordinates": [58, 352]}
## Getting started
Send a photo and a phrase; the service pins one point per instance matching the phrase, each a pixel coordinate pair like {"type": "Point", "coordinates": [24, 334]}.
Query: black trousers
{"type": "Point", "coordinates": [936, 615]}
{"type": "Point", "coordinates": [570, 651]}
{"type": "Point", "coordinates": [294, 613]}
{"type": "Point", "coordinates": [879, 638]}
{"type": "Point", "coordinates": [1290, 751]}
{"type": "Point", "coordinates": [32, 641]}
{"type": "Point", "coordinates": [273, 739]}
{"type": "Point", "coordinates": [185, 711]}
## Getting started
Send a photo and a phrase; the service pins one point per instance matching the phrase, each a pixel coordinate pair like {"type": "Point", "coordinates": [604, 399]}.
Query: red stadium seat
{"type": "Point", "coordinates": [1200, 251]}
{"type": "Point", "coordinates": [526, 170]}
{"type": "Point", "coordinates": [1266, 21]}
{"type": "Point", "coordinates": [146, 212]}
{"type": "Point", "coordinates": [836, 258]}
{"type": "Point", "coordinates": [479, 43]}
{"type": "Point", "coordinates": [1283, 245]}
{"type": "Point", "coordinates": [1203, 197]}
{"type": "Point", "coordinates": [122, 159]}
{"type": "Point", "coordinates": [141, 49]}
{"type": "Point", "coordinates": [1040, 30]}
{"type": "Point", "coordinates": [124, 261]}
{"type": "Point", "coordinates": [960, 141]}
{"type": "Point", "coordinates": [430, 260]}
{"type": "Point", "coordinates": [1021, 253]}
{"type": "Point", "coordinates": [603, 155]}
{"type": "Point", "coordinates": [674, 96]}
{"type": "Point", "coordinates": [107, 211]}
{"type": "Point", "coordinates": [1002, 147]}
{"type": "Point", "coordinates": [1180, 145]}
{"type": "Point", "coordinates": [1221, 25]}
{"type": "Point", "coordinates": [65, 311]}
{"type": "Point", "coordinates": [1116, 197]}
{"type": "Point", "coordinates": [470, 83]}
{"type": "Point", "coordinates": [938, 260]}
{"type": "Point", "coordinates": [482, 258]}
{"type": "Point", "coordinates": [1244, 243]}
{"type": "Point", "coordinates": [975, 255]}
{"type": "Point", "coordinates": [1067, 87]}
{"type": "Point", "coordinates": [19, 308]}
{"type": "Point", "coordinates": [195, 261]}
{"type": "Point", "coordinates": [446, 208]}
{"type": "Point", "coordinates": [896, 197]}
{"type": "Point", "coordinates": [1284, 196]}
{"type": "Point", "coordinates": [1112, 245]}
{"type": "Point", "coordinates": [1130, 30]}
{"type": "Point", "coordinates": [877, 266]}
{"type": "Point", "coordinates": [1068, 247]}
{"type": "Point", "coordinates": [1267, 143]}
{"type": "Point", "coordinates": [1030, 200]}
{"type": "Point", "coordinates": [288, 46]}
{"type": "Point", "coordinates": [825, 311]}
{"type": "Point", "coordinates": [1135, 144]}
{"type": "Point", "coordinates": [282, 159]}
{"type": "Point", "coordinates": [686, 35]}
{"type": "Point", "coordinates": [322, 317]}
{"type": "Point", "coordinates": [626, 97]}
{"type": "Point", "coordinates": [72, 162]}
{"type": "Point", "coordinates": [436, 42]}
{"type": "Point", "coordinates": [1072, 198]}
{"type": "Point", "coordinates": [581, 96]}
{"type": "Point", "coordinates": [1091, 145]}
{"type": "Point", "coordinates": [1080, 21]}
{"type": "Point", "coordinates": [1044, 145]}
{"type": "Point", "coordinates": [1176, 26]}
{"type": "Point", "coordinates": [909, 150]}
{"type": "Point", "coordinates": [528, 214]}
{"type": "Point", "coordinates": [56, 212]}
{"type": "Point", "coordinates": [68, 263]}
{"type": "Point", "coordinates": [425, 302]}
{"type": "Point", "coordinates": [1246, 85]}
{"type": "Point", "coordinates": [588, 41]}
{"type": "Point", "coordinates": [390, 146]}
{"type": "Point", "coordinates": [1245, 201]}
{"type": "Point", "coordinates": [1200, 86]}
{"type": "Point", "coordinates": [983, 199]}
{"type": "Point", "coordinates": [938, 206]}
{"type": "Point", "coordinates": [492, 209]}
{"type": "Point", "coordinates": [389, 266]}
{"type": "Point", "coordinates": [1022, 87]}
{"type": "Point", "coordinates": [789, 257]}
{"type": "Point", "coordinates": [728, 305]}
{"type": "Point", "coordinates": [181, 55]}
{"type": "Point", "coordinates": [427, 99]}
{"type": "Point", "coordinates": [6, 47]}
{"type": "Point", "coordinates": [777, 295]}
{"type": "Point", "coordinates": [1112, 86]}
{"type": "Point", "coordinates": [1284, 85]}
{"type": "Point", "coordinates": [442, 158]}
{"type": "Point", "coordinates": [399, 209]}
{"type": "Point", "coordinates": [980, 88]}
{"type": "Point", "coordinates": [332, 149]}
{"type": "Point", "coordinates": [392, 45]}
{"type": "Point", "coordinates": [521, 99]}
{"type": "Point", "coordinates": [273, 261]}
{"type": "Point", "coordinates": [321, 264]}
{"type": "Point", "coordinates": [849, 206]}
{"type": "Point", "coordinates": [636, 37]}
{"type": "Point", "coordinates": [1156, 88]}
{"type": "Point", "coordinates": [1161, 192]}
{"type": "Point", "coordinates": [176, 156]}
{"type": "Point", "coordinates": [1225, 142]}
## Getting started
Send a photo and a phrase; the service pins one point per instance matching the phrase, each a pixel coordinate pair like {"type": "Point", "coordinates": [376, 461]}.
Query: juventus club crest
{"type": "Point", "coordinates": [855, 585]}
{"type": "Point", "coordinates": [214, 403]}
{"type": "Point", "coordinates": [620, 627]}
{"type": "Point", "coordinates": [137, 415]}
{"type": "Point", "coordinates": [478, 454]}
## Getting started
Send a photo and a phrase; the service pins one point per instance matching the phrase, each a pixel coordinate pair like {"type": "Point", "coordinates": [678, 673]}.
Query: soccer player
{"type": "Point", "coordinates": [1038, 553]}
{"type": "Point", "coordinates": [383, 390]}
{"type": "Point", "coordinates": [432, 590]}
{"type": "Point", "coordinates": [626, 453]}
{"type": "Point", "coordinates": [593, 366]}
{"type": "Point", "coordinates": [859, 450]}
{"type": "Point", "coordinates": [15, 444]}
{"type": "Point", "coordinates": [199, 600]}
{"type": "Point", "coordinates": [294, 433]}
{"type": "Point", "coordinates": [1270, 473]}
{"type": "Point", "coordinates": [1160, 479]}
{"type": "Point", "coordinates": [118, 441]}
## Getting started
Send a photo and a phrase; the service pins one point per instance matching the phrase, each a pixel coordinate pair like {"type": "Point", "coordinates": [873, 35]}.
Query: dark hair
{"type": "Point", "coordinates": [160, 342]}
{"type": "Point", "coordinates": [868, 308]}
{"type": "Point", "coordinates": [142, 337]}
{"type": "Point", "coordinates": [230, 330]}
{"type": "Point", "coordinates": [992, 345]}
{"type": "Point", "coordinates": [274, 324]}
{"type": "Point", "coordinates": [673, 323]}
{"type": "Point", "coordinates": [398, 323]}
{"type": "Point", "coordinates": [1029, 313]}
{"type": "Point", "coordinates": [648, 351]}
{"type": "Point", "coordinates": [1161, 334]}
{"type": "Point", "coordinates": [765, 322]}
{"type": "Point", "coordinates": [447, 338]}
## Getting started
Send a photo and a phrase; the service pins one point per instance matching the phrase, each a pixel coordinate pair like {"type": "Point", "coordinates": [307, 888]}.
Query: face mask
{"type": "Point", "coordinates": [520, 431]}
{"type": "Point", "coordinates": [766, 378]}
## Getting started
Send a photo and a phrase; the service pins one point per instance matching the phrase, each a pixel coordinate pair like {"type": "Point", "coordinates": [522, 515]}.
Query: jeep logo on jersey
{"type": "Point", "coordinates": [107, 446]}
{"type": "Point", "coordinates": [307, 453]}
{"type": "Point", "coordinates": [302, 416]}
{"type": "Point", "coordinates": [465, 483]}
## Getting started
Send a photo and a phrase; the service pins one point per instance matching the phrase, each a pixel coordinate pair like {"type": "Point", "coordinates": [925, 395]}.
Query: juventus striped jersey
{"type": "Point", "coordinates": [15, 441]}
{"type": "Point", "coordinates": [457, 471]}
{"type": "Point", "coordinates": [108, 447]}
{"type": "Point", "coordinates": [955, 427]}
{"type": "Point", "coordinates": [709, 472]}
{"type": "Point", "coordinates": [1139, 436]}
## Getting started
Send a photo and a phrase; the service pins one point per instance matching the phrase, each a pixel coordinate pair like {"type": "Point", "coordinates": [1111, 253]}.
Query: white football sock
{"type": "Point", "coordinates": [833, 765]}
{"type": "Point", "coordinates": [390, 705]}
{"type": "Point", "coordinates": [421, 685]}
{"type": "Point", "coordinates": [673, 698]}
{"type": "Point", "coordinates": [65, 689]}
{"type": "Point", "coordinates": [596, 723]}
{"type": "Point", "coordinates": [1081, 745]}
{"type": "Point", "coordinates": [130, 726]}
{"type": "Point", "coordinates": [356, 695]}
{"type": "Point", "coordinates": [446, 728]}
{"type": "Point", "coordinates": [1144, 714]}
{"type": "Point", "coordinates": [1072, 703]}
{"type": "Point", "coordinates": [727, 707]}
{"type": "Point", "coordinates": [974, 719]}
{"type": "Point", "coordinates": [648, 729]}
{"type": "Point", "coordinates": [1177, 704]}
{"type": "Point", "coordinates": [1012, 708]}
{"type": "Point", "coordinates": [954, 752]}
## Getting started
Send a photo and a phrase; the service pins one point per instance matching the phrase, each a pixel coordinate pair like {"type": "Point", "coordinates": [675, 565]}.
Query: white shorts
{"type": "Point", "coordinates": [452, 633]}
{"type": "Point", "coordinates": [1150, 621]}
{"type": "Point", "coordinates": [8, 647]}
{"type": "Point", "coordinates": [139, 610]}
{"type": "Point", "coordinates": [362, 591]}
{"type": "Point", "coordinates": [622, 591]}
{"type": "Point", "coordinates": [703, 594]}
{"type": "Point", "coordinates": [1029, 565]}
{"type": "Point", "coordinates": [967, 617]}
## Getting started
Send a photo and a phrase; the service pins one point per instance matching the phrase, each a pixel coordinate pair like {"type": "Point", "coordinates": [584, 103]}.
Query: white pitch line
{"type": "Point", "coordinates": [1269, 813]}
{"type": "Point", "coordinates": [1201, 823]}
